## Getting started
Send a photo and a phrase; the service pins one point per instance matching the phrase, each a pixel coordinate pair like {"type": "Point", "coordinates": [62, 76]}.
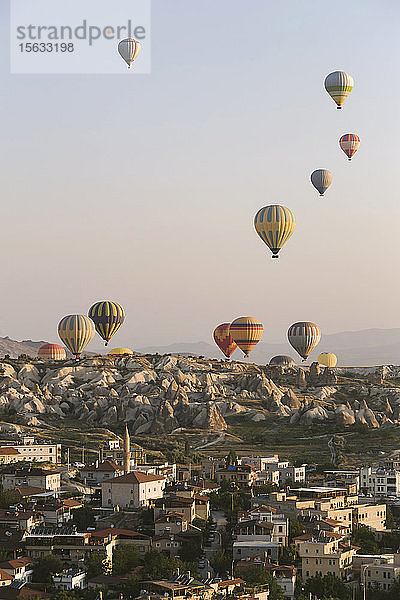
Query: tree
{"type": "Point", "coordinates": [365, 538]}
{"type": "Point", "coordinates": [125, 560]}
{"type": "Point", "coordinates": [97, 564]}
{"type": "Point", "coordinates": [131, 587]}
{"type": "Point", "coordinates": [45, 568]}
{"type": "Point", "coordinates": [295, 529]}
{"type": "Point", "coordinates": [83, 518]}
{"type": "Point", "coordinates": [260, 576]}
{"type": "Point", "coordinates": [221, 562]}
{"type": "Point", "coordinates": [158, 565]}
{"type": "Point", "coordinates": [8, 498]}
{"type": "Point", "coordinates": [328, 586]}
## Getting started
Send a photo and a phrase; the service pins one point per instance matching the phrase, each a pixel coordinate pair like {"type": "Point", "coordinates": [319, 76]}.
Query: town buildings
{"type": "Point", "coordinates": [31, 476]}
{"type": "Point", "coordinates": [380, 481]}
{"type": "Point", "coordinates": [30, 450]}
{"type": "Point", "coordinates": [323, 553]}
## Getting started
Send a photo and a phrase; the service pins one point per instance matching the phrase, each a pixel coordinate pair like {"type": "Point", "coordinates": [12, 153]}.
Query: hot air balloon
{"type": "Point", "coordinates": [281, 361]}
{"type": "Point", "coordinates": [327, 359]}
{"type": "Point", "coordinates": [76, 331]}
{"type": "Point", "coordinates": [304, 337]}
{"type": "Point", "coordinates": [274, 224]}
{"type": "Point", "coordinates": [339, 85]}
{"type": "Point", "coordinates": [321, 180]}
{"type": "Point", "coordinates": [246, 332]}
{"type": "Point", "coordinates": [52, 352]}
{"type": "Point", "coordinates": [224, 340]}
{"type": "Point", "coordinates": [107, 317]}
{"type": "Point", "coordinates": [118, 352]}
{"type": "Point", "coordinates": [349, 143]}
{"type": "Point", "coordinates": [129, 50]}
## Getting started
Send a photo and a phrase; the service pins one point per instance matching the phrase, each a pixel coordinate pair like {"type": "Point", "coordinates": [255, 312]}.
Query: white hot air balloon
{"type": "Point", "coordinates": [321, 180]}
{"type": "Point", "coordinates": [339, 85]}
{"type": "Point", "coordinates": [129, 50]}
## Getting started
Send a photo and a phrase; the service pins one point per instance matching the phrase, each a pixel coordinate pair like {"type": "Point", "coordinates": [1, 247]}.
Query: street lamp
{"type": "Point", "coordinates": [363, 578]}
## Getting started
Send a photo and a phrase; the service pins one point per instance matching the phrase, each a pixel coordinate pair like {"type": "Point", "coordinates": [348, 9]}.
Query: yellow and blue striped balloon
{"type": "Point", "coordinates": [107, 317]}
{"type": "Point", "coordinates": [274, 224]}
{"type": "Point", "coordinates": [76, 331]}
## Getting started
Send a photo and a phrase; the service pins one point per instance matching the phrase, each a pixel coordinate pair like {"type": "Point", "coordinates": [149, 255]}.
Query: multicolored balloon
{"type": "Point", "coordinates": [327, 359]}
{"type": "Point", "coordinates": [118, 352]}
{"type": "Point", "coordinates": [304, 336]}
{"type": "Point", "coordinates": [76, 331]}
{"type": "Point", "coordinates": [349, 143]}
{"type": "Point", "coordinates": [107, 317]}
{"type": "Point", "coordinates": [274, 224]}
{"type": "Point", "coordinates": [52, 352]}
{"type": "Point", "coordinates": [281, 361]}
{"type": "Point", "coordinates": [321, 180]}
{"type": "Point", "coordinates": [339, 85]}
{"type": "Point", "coordinates": [246, 332]}
{"type": "Point", "coordinates": [224, 340]}
{"type": "Point", "coordinates": [129, 50]}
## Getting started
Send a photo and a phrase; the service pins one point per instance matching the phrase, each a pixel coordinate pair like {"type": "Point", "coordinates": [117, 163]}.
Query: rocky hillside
{"type": "Point", "coordinates": [156, 393]}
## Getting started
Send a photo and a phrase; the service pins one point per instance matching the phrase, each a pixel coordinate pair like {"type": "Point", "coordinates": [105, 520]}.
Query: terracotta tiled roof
{"type": "Point", "coordinates": [8, 451]}
{"type": "Point", "coordinates": [4, 576]}
{"type": "Point", "coordinates": [71, 503]}
{"type": "Point", "coordinates": [135, 477]}
{"type": "Point", "coordinates": [24, 561]}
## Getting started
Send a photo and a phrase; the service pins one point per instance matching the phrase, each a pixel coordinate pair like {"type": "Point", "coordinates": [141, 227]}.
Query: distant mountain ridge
{"type": "Point", "coordinates": [367, 347]}
{"type": "Point", "coordinates": [14, 348]}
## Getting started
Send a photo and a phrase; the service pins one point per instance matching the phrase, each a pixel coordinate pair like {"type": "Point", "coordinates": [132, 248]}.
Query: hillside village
{"type": "Point", "coordinates": [122, 519]}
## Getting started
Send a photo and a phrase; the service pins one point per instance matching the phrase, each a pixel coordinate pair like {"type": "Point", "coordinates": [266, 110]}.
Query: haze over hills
{"type": "Point", "coordinates": [367, 347]}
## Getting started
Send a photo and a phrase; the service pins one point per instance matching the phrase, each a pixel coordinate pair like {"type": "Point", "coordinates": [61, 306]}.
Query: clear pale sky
{"type": "Point", "coordinates": [142, 189]}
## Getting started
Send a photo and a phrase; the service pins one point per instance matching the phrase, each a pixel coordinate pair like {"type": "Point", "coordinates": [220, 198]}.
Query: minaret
{"type": "Point", "coordinates": [127, 451]}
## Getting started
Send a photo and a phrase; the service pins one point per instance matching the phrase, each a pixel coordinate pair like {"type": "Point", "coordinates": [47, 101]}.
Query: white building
{"type": "Point", "coordinates": [246, 550]}
{"type": "Point", "coordinates": [380, 481]}
{"type": "Point", "coordinates": [35, 477]}
{"type": "Point", "coordinates": [20, 568]}
{"type": "Point", "coordinates": [30, 450]}
{"type": "Point", "coordinates": [70, 579]}
{"type": "Point", "coordinates": [132, 490]}
{"type": "Point", "coordinates": [270, 468]}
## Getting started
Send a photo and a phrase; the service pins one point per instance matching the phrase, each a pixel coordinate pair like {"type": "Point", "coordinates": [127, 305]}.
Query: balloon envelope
{"type": "Point", "coordinates": [281, 361]}
{"type": "Point", "coordinates": [224, 340]}
{"type": "Point", "coordinates": [107, 317]}
{"type": "Point", "coordinates": [76, 331]}
{"type": "Point", "coordinates": [304, 337]}
{"type": "Point", "coordinates": [52, 352]}
{"type": "Point", "coordinates": [327, 359]}
{"type": "Point", "coordinates": [274, 224]}
{"type": "Point", "coordinates": [321, 180]}
{"type": "Point", "coordinates": [339, 85]}
{"type": "Point", "coordinates": [129, 50]}
{"type": "Point", "coordinates": [246, 332]}
{"type": "Point", "coordinates": [349, 143]}
{"type": "Point", "coordinates": [120, 352]}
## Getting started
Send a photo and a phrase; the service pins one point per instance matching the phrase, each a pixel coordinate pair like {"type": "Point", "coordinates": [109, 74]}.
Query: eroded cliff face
{"type": "Point", "coordinates": [162, 393]}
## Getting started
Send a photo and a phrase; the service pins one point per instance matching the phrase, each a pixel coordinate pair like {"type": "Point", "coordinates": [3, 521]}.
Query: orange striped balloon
{"type": "Point", "coordinates": [224, 340]}
{"type": "Point", "coordinates": [52, 352]}
{"type": "Point", "coordinates": [246, 332]}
